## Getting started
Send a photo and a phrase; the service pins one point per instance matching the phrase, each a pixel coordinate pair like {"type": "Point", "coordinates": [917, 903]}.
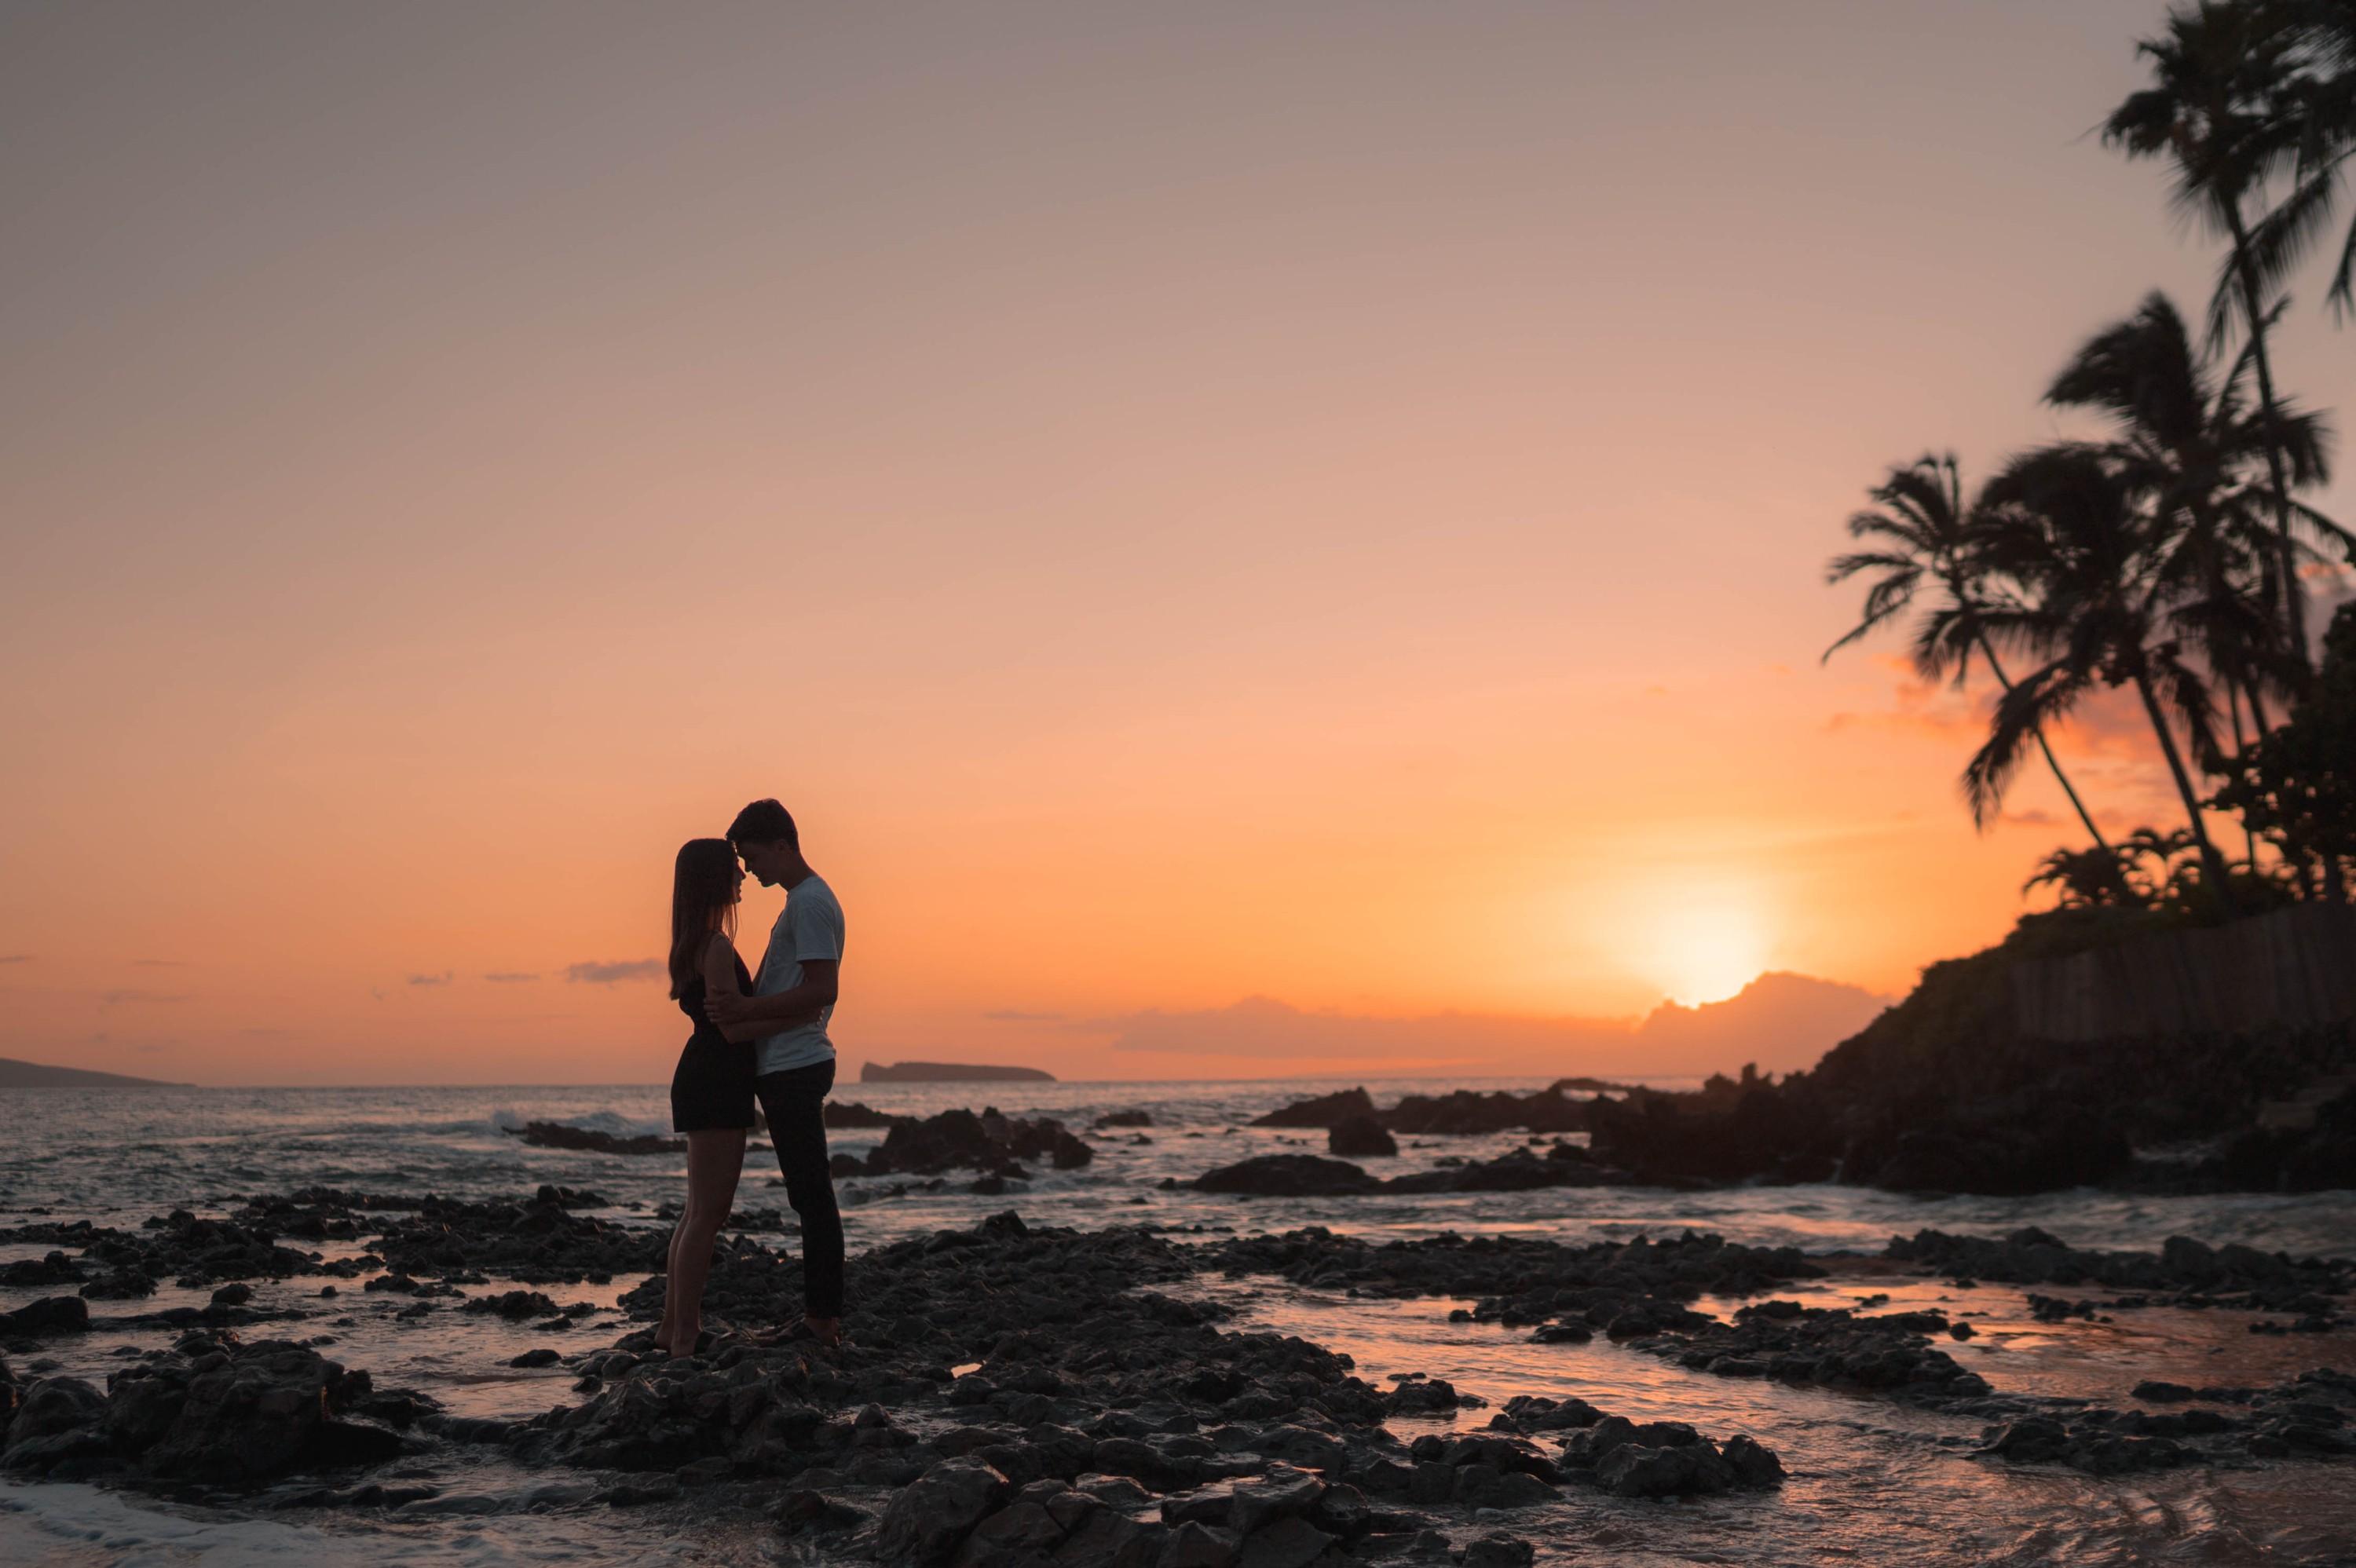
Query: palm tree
{"type": "Point", "coordinates": [2083, 879]}
{"type": "Point", "coordinates": [2313, 111]}
{"type": "Point", "coordinates": [2063, 524]}
{"type": "Point", "coordinates": [2183, 438]}
{"type": "Point", "coordinates": [2222, 75]}
{"type": "Point", "coordinates": [1921, 533]}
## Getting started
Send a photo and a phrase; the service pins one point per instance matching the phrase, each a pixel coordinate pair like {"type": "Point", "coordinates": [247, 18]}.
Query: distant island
{"type": "Point", "coordinates": [948, 1072]}
{"type": "Point", "coordinates": [16, 1075]}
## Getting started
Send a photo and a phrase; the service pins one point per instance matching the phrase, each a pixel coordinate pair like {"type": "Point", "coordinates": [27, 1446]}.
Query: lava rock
{"type": "Point", "coordinates": [557, 1135]}
{"type": "Point", "coordinates": [50, 1314]}
{"type": "Point", "coordinates": [1323, 1110]}
{"type": "Point", "coordinates": [924, 1523]}
{"type": "Point", "coordinates": [1360, 1137]}
{"type": "Point", "coordinates": [1287, 1176]}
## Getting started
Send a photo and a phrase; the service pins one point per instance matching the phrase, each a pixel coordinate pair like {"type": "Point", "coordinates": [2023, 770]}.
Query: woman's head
{"type": "Point", "coordinates": [704, 884]}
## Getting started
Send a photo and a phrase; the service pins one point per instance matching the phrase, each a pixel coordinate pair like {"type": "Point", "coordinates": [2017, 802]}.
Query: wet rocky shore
{"type": "Point", "coordinates": [1021, 1393]}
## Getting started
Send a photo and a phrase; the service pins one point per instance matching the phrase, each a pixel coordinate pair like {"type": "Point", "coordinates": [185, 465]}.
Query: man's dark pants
{"type": "Point", "coordinates": [794, 1103]}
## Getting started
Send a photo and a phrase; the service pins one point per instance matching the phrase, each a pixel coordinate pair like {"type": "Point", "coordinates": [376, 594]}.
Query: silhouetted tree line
{"type": "Point", "coordinates": [2169, 557]}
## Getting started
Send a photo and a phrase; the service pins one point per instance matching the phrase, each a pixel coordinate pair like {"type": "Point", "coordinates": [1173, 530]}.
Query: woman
{"type": "Point", "coordinates": [711, 1091]}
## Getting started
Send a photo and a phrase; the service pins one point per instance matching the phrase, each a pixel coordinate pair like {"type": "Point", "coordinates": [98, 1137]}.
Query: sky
{"type": "Point", "coordinates": [1318, 509]}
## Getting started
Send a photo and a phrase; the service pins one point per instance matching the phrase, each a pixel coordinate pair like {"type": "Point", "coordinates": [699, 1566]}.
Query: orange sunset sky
{"type": "Point", "coordinates": [1188, 504]}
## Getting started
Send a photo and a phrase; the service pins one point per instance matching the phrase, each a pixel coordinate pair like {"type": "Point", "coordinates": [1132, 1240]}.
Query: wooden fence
{"type": "Point", "coordinates": [2295, 966]}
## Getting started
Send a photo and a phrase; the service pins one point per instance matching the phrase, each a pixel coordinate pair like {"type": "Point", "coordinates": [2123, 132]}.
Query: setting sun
{"type": "Point", "coordinates": [1708, 953]}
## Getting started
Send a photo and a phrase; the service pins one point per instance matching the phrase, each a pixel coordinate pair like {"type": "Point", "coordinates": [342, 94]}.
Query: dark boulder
{"type": "Point", "coordinates": [55, 1419]}
{"type": "Point", "coordinates": [1517, 1170]}
{"type": "Point", "coordinates": [990, 1142]}
{"type": "Point", "coordinates": [929, 1516]}
{"type": "Point", "coordinates": [852, 1113]}
{"type": "Point", "coordinates": [1465, 1112]}
{"type": "Point", "coordinates": [1287, 1176]}
{"type": "Point", "coordinates": [513, 1305]}
{"type": "Point", "coordinates": [557, 1135]}
{"type": "Point", "coordinates": [209, 1411]}
{"type": "Point", "coordinates": [50, 1315]}
{"type": "Point", "coordinates": [1360, 1137]}
{"type": "Point", "coordinates": [1324, 1111]}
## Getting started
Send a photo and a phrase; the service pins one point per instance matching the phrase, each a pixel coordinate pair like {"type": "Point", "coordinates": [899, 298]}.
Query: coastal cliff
{"type": "Point", "coordinates": [1957, 1089]}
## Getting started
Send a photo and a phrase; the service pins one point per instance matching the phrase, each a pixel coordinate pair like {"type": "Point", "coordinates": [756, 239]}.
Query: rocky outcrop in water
{"type": "Point", "coordinates": [960, 1140]}
{"type": "Point", "coordinates": [2313, 1416]}
{"type": "Point", "coordinates": [209, 1410]}
{"type": "Point", "coordinates": [1459, 1112]}
{"type": "Point", "coordinates": [539, 1241]}
{"type": "Point", "coordinates": [558, 1134]}
{"type": "Point", "coordinates": [1465, 1112]}
{"type": "Point", "coordinates": [1308, 1176]}
{"type": "Point", "coordinates": [2184, 1272]}
{"type": "Point", "coordinates": [1287, 1176]}
{"type": "Point", "coordinates": [852, 1113]}
{"type": "Point", "coordinates": [1322, 1111]}
{"type": "Point", "coordinates": [1360, 1137]}
{"type": "Point", "coordinates": [50, 1314]}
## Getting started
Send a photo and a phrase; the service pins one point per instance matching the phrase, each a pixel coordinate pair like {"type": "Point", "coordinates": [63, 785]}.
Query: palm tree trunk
{"type": "Point", "coordinates": [2240, 744]}
{"type": "Point", "coordinates": [2294, 605]}
{"type": "Point", "coordinates": [1988, 653]}
{"type": "Point", "coordinates": [2213, 869]}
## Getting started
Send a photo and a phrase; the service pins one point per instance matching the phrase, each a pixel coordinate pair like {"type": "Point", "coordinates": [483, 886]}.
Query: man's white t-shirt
{"type": "Point", "coordinates": [809, 927]}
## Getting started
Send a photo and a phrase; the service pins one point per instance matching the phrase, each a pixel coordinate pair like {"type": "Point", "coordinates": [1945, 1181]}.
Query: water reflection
{"type": "Point", "coordinates": [1871, 1481]}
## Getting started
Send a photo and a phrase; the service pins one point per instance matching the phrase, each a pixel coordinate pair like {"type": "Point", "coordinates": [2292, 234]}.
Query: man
{"type": "Point", "coordinates": [794, 1067]}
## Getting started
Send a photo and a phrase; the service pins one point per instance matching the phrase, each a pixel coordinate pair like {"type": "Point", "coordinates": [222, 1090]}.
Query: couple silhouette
{"type": "Point", "coordinates": [759, 1038]}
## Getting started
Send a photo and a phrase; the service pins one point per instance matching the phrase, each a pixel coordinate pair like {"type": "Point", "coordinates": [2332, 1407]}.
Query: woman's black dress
{"type": "Point", "coordinates": [713, 1087]}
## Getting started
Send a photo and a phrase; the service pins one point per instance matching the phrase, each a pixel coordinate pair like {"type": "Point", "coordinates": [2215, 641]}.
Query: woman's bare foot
{"type": "Point", "coordinates": [683, 1344]}
{"type": "Point", "coordinates": [827, 1331]}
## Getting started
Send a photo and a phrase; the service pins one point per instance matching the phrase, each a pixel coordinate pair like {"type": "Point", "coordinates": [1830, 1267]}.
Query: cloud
{"type": "Point", "coordinates": [159, 963]}
{"type": "Point", "coordinates": [15, 958]}
{"type": "Point", "coordinates": [1919, 707]}
{"type": "Point", "coordinates": [443, 978]}
{"type": "Point", "coordinates": [605, 974]}
{"type": "Point", "coordinates": [509, 977]}
{"type": "Point", "coordinates": [132, 994]}
{"type": "Point", "coordinates": [1014, 1016]}
{"type": "Point", "coordinates": [2035, 817]}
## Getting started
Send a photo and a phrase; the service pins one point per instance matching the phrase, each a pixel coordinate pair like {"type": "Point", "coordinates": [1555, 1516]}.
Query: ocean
{"type": "Point", "coordinates": [1871, 1482]}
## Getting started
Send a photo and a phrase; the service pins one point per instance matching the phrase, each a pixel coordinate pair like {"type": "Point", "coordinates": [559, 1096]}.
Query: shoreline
{"type": "Point", "coordinates": [1114, 1375]}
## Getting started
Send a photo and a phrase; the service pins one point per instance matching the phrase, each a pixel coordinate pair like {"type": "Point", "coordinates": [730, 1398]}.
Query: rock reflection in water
{"type": "Point", "coordinates": [1870, 1481]}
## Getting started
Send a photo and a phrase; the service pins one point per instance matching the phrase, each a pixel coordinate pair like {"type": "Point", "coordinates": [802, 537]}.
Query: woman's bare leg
{"type": "Point", "coordinates": [670, 1278]}
{"type": "Point", "coordinates": [714, 1161]}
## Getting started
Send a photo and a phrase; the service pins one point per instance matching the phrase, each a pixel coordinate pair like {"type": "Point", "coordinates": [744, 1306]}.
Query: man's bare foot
{"type": "Point", "coordinates": [684, 1345]}
{"type": "Point", "coordinates": [827, 1331]}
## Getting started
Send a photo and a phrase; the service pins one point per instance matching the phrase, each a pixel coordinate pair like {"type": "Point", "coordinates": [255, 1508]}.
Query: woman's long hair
{"type": "Point", "coordinates": [702, 901]}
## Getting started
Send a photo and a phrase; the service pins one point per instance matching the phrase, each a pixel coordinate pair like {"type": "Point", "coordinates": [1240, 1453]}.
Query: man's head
{"type": "Point", "coordinates": [765, 834]}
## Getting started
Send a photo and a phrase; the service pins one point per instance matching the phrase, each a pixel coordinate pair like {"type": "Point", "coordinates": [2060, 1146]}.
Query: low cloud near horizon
{"type": "Point", "coordinates": [509, 977]}
{"type": "Point", "coordinates": [132, 994]}
{"type": "Point", "coordinates": [443, 978]}
{"type": "Point", "coordinates": [598, 973]}
{"type": "Point", "coordinates": [1780, 1021]}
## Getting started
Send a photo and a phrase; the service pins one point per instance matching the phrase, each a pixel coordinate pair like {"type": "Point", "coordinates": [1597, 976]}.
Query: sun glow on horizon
{"type": "Point", "coordinates": [1708, 952]}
